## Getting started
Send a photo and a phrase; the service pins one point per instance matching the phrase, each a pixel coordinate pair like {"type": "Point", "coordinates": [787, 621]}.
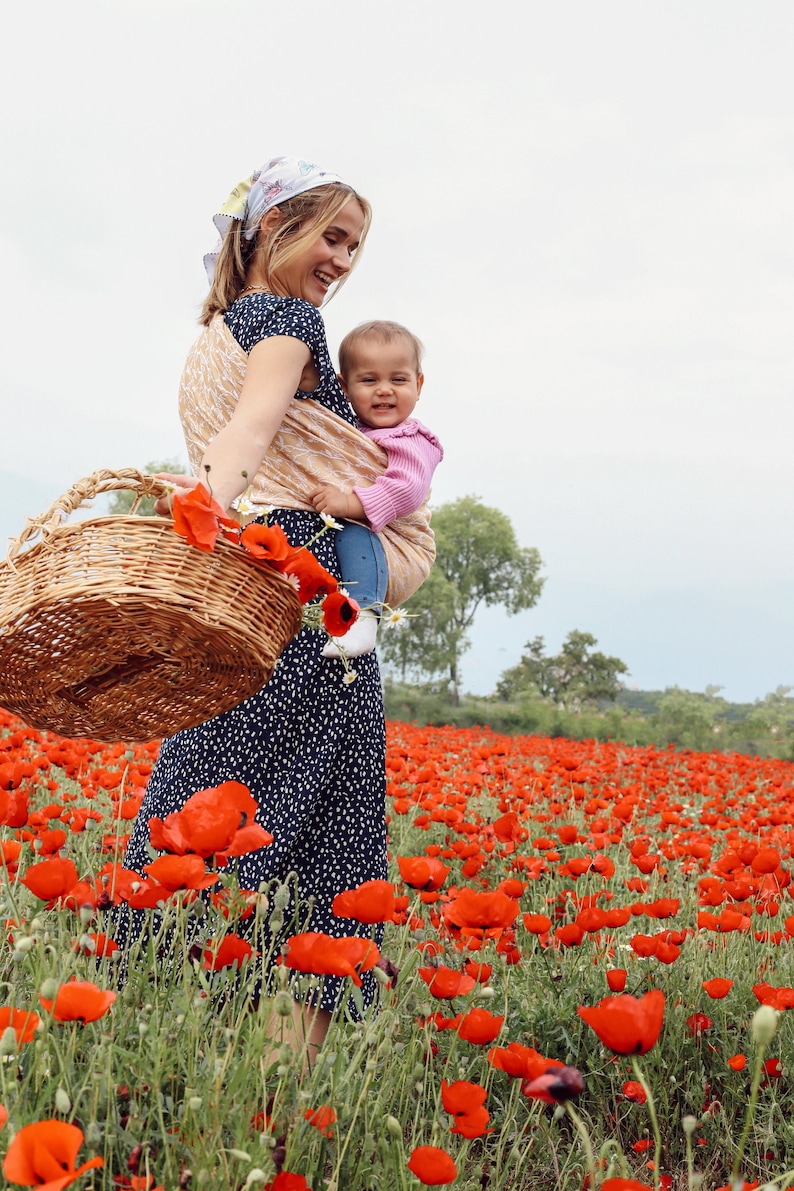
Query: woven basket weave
{"type": "Point", "coordinates": [115, 628]}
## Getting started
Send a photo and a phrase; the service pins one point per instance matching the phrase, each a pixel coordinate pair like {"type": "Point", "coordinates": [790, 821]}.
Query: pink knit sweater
{"type": "Point", "coordinates": [413, 454]}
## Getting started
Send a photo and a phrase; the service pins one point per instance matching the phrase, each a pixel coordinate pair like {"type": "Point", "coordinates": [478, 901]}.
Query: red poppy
{"type": "Point", "coordinates": [766, 860]}
{"type": "Point", "coordinates": [618, 1184]}
{"type": "Point", "coordinates": [627, 1025]}
{"type": "Point", "coordinates": [22, 1021]}
{"type": "Point", "coordinates": [737, 1062]}
{"type": "Point", "coordinates": [95, 944]}
{"type": "Point", "coordinates": [717, 988]}
{"type": "Point", "coordinates": [231, 950]}
{"type": "Point", "coordinates": [537, 924]}
{"type": "Point", "coordinates": [285, 1181]}
{"type": "Point", "coordinates": [323, 1119]}
{"type": "Point", "coordinates": [423, 872]}
{"type": "Point", "coordinates": [555, 1086]}
{"type": "Point", "coordinates": [3, 1115]}
{"type": "Point", "coordinates": [481, 911]}
{"type": "Point", "coordinates": [43, 1155]}
{"type": "Point", "coordinates": [311, 577]}
{"type": "Point", "coordinates": [198, 518]}
{"type": "Point", "coordinates": [466, 1102]}
{"type": "Point", "coordinates": [521, 1062]}
{"type": "Point", "coordinates": [50, 879]}
{"type": "Point", "coordinates": [79, 1000]}
{"type": "Point", "coordinates": [325, 955]}
{"type": "Point", "coordinates": [779, 998]}
{"type": "Point", "coordinates": [446, 983]}
{"type": "Point", "coordinates": [215, 822]}
{"type": "Point", "coordinates": [480, 972]}
{"type": "Point", "coordinates": [340, 613]}
{"type": "Point", "coordinates": [616, 979]}
{"type": "Point", "coordinates": [14, 808]}
{"type": "Point", "coordinates": [268, 543]}
{"type": "Point", "coordinates": [432, 1166]}
{"type": "Point", "coordinates": [373, 901]}
{"type": "Point", "coordinates": [633, 1090]}
{"type": "Point", "coordinates": [181, 872]}
{"type": "Point", "coordinates": [570, 935]}
{"type": "Point", "coordinates": [479, 1026]}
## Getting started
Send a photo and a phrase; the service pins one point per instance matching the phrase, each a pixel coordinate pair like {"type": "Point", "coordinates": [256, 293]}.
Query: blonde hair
{"type": "Point", "coordinates": [384, 331]}
{"type": "Point", "coordinates": [303, 218]}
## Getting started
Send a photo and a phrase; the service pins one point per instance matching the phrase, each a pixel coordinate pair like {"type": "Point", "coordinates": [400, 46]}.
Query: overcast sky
{"type": "Point", "coordinates": [584, 209]}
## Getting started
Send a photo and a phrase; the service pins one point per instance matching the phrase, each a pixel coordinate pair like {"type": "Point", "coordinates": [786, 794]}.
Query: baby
{"type": "Point", "coordinates": [380, 370]}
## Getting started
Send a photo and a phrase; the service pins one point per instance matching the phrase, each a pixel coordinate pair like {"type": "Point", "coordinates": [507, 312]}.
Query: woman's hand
{"type": "Point", "coordinates": [162, 506]}
{"type": "Point", "coordinates": [336, 503]}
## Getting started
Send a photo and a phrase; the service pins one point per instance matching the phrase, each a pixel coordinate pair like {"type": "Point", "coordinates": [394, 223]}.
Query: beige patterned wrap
{"type": "Point", "coordinates": [312, 447]}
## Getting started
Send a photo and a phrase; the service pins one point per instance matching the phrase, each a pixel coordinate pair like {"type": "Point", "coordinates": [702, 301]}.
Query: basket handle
{"type": "Point", "coordinates": [81, 492]}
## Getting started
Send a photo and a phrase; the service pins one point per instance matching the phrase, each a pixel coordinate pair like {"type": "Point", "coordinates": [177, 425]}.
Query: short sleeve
{"type": "Point", "coordinates": [259, 316]}
{"type": "Point", "coordinates": [262, 316]}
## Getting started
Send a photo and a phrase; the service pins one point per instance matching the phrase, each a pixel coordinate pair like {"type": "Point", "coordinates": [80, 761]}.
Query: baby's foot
{"type": "Point", "coordinates": [359, 638]}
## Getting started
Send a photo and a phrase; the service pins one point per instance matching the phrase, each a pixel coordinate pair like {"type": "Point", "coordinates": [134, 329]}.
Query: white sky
{"type": "Point", "coordinates": [583, 209]}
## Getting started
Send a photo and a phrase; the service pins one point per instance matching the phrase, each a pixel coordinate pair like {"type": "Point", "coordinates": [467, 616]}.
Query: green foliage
{"type": "Point", "coordinates": [121, 502]}
{"type": "Point", "coordinates": [479, 562]}
{"type": "Point", "coordinates": [688, 718]}
{"type": "Point", "coordinates": [576, 677]}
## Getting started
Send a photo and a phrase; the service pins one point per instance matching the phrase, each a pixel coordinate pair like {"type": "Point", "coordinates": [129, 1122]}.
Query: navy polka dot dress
{"type": "Point", "coordinates": [310, 747]}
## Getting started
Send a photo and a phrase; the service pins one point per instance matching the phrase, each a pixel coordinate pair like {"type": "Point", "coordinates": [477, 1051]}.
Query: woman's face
{"type": "Point", "coordinates": [326, 260]}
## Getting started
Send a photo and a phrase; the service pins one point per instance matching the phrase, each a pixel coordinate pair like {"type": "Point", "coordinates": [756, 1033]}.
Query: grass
{"type": "Point", "coordinates": [188, 1079]}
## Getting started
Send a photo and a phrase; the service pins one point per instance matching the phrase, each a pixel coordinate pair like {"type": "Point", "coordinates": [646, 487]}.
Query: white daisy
{"type": "Point", "coordinates": [329, 522]}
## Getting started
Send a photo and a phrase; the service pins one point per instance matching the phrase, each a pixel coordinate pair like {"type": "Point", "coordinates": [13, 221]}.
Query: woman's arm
{"type": "Point", "coordinates": [272, 377]}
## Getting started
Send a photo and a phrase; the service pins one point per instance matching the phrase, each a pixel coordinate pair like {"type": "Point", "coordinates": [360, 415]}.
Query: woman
{"type": "Point", "coordinates": [260, 398]}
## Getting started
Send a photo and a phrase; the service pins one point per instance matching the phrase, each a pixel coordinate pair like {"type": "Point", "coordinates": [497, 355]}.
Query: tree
{"type": "Point", "coordinates": [478, 562]}
{"type": "Point", "coordinates": [121, 502]}
{"type": "Point", "coordinates": [577, 676]}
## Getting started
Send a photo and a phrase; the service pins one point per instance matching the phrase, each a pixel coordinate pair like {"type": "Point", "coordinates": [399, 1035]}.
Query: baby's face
{"type": "Point", "coordinates": [382, 383]}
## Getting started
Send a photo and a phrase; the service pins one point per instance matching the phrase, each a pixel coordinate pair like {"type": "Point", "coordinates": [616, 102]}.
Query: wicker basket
{"type": "Point", "coordinates": [115, 628]}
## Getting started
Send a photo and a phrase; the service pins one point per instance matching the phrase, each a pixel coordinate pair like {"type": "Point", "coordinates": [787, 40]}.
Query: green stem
{"type": "Point", "coordinates": [657, 1137]}
{"type": "Point", "coordinates": [581, 1129]}
{"type": "Point", "coordinates": [362, 1094]}
{"type": "Point", "coordinates": [750, 1114]}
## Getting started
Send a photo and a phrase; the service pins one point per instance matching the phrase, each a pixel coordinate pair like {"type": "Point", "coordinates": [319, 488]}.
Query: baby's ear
{"type": "Point", "coordinates": [420, 380]}
{"type": "Point", "coordinates": [341, 380]}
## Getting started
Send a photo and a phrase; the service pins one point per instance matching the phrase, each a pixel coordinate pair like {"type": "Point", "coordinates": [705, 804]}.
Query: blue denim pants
{"type": "Point", "coordinates": [362, 562]}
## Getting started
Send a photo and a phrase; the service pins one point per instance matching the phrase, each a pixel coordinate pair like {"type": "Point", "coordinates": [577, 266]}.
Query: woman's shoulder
{"type": "Point", "coordinates": [260, 315]}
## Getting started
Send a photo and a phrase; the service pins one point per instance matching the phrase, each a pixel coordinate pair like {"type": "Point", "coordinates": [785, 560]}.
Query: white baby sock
{"type": "Point", "coordinates": [359, 638]}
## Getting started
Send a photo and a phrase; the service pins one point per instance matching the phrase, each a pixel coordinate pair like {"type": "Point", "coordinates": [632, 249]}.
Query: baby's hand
{"type": "Point", "coordinates": [336, 503]}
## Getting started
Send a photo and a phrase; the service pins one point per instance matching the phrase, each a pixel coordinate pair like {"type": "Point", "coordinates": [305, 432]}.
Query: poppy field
{"type": "Point", "coordinates": [584, 978]}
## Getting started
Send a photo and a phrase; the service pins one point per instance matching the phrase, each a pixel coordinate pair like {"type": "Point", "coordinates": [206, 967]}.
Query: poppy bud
{"type": "Point", "coordinates": [764, 1024]}
{"type": "Point", "coordinates": [283, 1003]}
{"type": "Point", "coordinates": [393, 1127]}
{"type": "Point", "coordinates": [255, 1176]}
{"type": "Point", "coordinates": [689, 1125]}
{"type": "Point", "coordinates": [281, 897]}
{"type": "Point", "coordinates": [93, 1134]}
{"type": "Point", "coordinates": [8, 1042]}
{"type": "Point", "coordinates": [62, 1102]}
